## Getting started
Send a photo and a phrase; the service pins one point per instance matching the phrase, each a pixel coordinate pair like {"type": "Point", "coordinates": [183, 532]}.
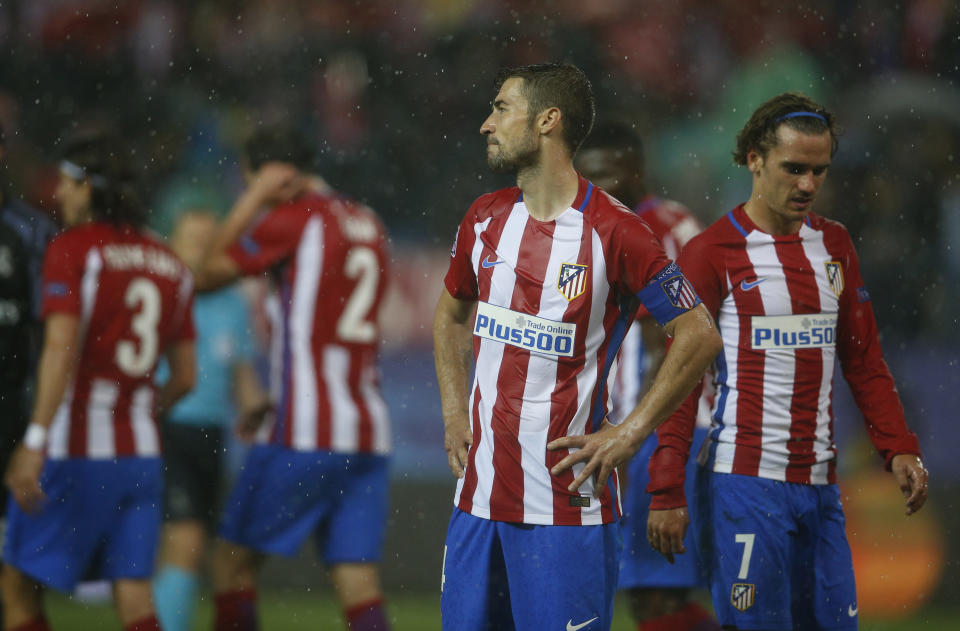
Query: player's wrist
{"type": "Point", "coordinates": [35, 438]}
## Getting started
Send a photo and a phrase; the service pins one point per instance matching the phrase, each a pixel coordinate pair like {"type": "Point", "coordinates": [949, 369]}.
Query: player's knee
{"type": "Point", "coordinates": [646, 604]}
{"type": "Point", "coordinates": [133, 600]}
{"type": "Point", "coordinates": [234, 566]}
{"type": "Point", "coordinates": [184, 545]}
{"type": "Point", "coordinates": [356, 583]}
{"type": "Point", "coordinates": [20, 592]}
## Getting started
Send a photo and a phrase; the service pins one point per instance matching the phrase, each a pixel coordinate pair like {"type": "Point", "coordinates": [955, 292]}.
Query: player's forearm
{"type": "Point", "coordinates": [239, 218]}
{"type": "Point", "coordinates": [248, 391]}
{"type": "Point", "coordinates": [182, 359]}
{"type": "Point", "coordinates": [696, 344]}
{"type": "Point", "coordinates": [452, 355]}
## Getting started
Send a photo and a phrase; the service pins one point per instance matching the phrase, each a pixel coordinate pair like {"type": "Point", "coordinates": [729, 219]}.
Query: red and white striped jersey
{"type": "Point", "coordinates": [554, 300]}
{"type": "Point", "coordinates": [328, 257]}
{"type": "Point", "coordinates": [786, 307]}
{"type": "Point", "coordinates": [134, 299]}
{"type": "Point", "coordinates": [674, 225]}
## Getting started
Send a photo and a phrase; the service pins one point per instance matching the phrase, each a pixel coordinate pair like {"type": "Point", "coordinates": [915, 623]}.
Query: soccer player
{"type": "Point", "coordinates": [660, 593]}
{"type": "Point", "coordinates": [785, 286]}
{"type": "Point", "coordinates": [193, 430]}
{"type": "Point", "coordinates": [321, 469]}
{"type": "Point", "coordinates": [86, 481]}
{"type": "Point", "coordinates": [556, 270]}
{"type": "Point", "coordinates": [24, 234]}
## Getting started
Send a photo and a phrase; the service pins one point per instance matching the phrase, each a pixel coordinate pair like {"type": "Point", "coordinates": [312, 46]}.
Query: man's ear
{"type": "Point", "coordinates": [754, 161]}
{"type": "Point", "coordinates": [548, 120]}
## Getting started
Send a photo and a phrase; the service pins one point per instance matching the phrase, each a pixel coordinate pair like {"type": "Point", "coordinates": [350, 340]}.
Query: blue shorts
{"type": "Point", "coordinates": [283, 496]}
{"type": "Point", "coordinates": [642, 567]}
{"type": "Point", "coordinates": [778, 554]}
{"type": "Point", "coordinates": [101, 520]}
{"type": "Point", "coordinates": [503, 576]}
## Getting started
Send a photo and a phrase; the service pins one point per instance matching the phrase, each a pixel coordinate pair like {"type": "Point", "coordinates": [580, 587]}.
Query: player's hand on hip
{"type": "Point", "coordinates": [250, 421]}
{"type": "Point", "coordinates": [665, 531]}
{"type": "Point", "coordinates": [603, 451]}
{"type": "Point", "coordinates": [23, 478]}
{"type": "Point", "coordinates": [457, 441]}
{"type": "Point", "coordinates": [913, 478]}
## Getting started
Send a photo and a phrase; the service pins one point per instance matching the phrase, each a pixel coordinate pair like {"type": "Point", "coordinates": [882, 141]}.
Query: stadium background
{"type": "Point", "coordinates": [393, 94]}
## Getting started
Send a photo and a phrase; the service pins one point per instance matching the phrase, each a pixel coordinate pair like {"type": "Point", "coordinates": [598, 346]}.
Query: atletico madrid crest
{"type": "Point", "coordinates": [741, 596]}
{"type": "Point", "coordinates": [573, 280]}
{"type": "Point", "coordinates": [679, 292]}
{"type": "Point", "coordinates": [835, 276]}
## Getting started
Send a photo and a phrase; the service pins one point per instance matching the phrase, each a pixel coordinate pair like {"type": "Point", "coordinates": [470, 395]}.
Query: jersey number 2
{"type": "Point", "coordinates": [137, 358]}
{"type": "Point", "coordinates": [354, 324]}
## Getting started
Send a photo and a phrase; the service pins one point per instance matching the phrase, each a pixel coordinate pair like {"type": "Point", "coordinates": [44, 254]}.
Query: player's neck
{"type": "Point", "coordinates": [549, 188]}
{"type": "Point", "coordinates": [768, 221]}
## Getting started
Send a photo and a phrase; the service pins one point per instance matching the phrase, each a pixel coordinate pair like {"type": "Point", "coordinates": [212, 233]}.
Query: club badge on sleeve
{"type": "Point", "coordinates": [680, 292]}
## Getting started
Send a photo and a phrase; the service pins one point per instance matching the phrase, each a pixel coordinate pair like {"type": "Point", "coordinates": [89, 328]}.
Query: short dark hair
{"type": "Point", "coordinates": [105, 162]}
{"type": "Point", "coordinates": [279, 143]}
{"type": "Point", "coordinates": [760, 132]}
{"type": "Point", "coordinates": [563, 86]}
{"type": "Point", "coordinates": [616, 135]}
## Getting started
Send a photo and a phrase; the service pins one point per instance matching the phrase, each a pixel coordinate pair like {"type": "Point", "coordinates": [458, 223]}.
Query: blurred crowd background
{"type": "Point", "coordinates": [393, 95]}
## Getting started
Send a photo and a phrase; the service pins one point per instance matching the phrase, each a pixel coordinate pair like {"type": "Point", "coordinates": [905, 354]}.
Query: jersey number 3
{"type": "Point", "coordinates": [137, 358]}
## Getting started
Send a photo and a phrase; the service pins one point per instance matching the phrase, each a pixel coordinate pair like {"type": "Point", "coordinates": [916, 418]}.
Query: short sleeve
{"type": "Point", "coordinates": [668, 294]}
{"type": "Point", "coordinates": [184, 330]}
{"type": "Point", "coordinates": [703, 268]}
{"type": "Point", "coordinates": [645, 271]}
{"type": "Point", "coordinates": [461, 278]}
{"type": "Point", "coordinates": [62, 274]}
{"type": "Point", "coordinates": [273, 239]}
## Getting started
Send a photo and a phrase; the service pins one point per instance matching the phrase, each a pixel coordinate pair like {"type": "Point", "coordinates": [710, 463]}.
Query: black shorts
{"type": "Point", "coordinates": [13, 423]}
{"type": "Point", "coordinates": [192, 474]}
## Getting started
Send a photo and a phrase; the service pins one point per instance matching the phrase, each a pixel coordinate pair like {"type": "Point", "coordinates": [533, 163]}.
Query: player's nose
{"type": "Point", "coordinates": [807, 183]}
{"type": "Point", "coordinates": [488, 127]}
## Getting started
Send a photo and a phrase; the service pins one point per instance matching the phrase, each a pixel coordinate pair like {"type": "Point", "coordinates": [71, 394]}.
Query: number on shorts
{"type": "Point", "coordinates": [354, 324]}
{"type": "Point", "coordinates": [443, 570]}
{"type": "Point", "coordinates": [137, 358]}
{"type": "Point", "coordinates": [747, 541]}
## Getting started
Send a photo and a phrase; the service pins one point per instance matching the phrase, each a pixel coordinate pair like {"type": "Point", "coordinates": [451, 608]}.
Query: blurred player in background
{"type": "Point", "coordinates": [321, 469]}
{"type": "Point", "coordinates": [86, 481]}
{"type": "Point", "coordinates": [660, 593]}
{"type": "Point", "coordinates": [193, 431]}
{"type": "Point", "coordinates": [556, 270]}
{"type": "Point", "coordinates": [784, 284]}
{"type": "Point", "coordinates": [24, 233]}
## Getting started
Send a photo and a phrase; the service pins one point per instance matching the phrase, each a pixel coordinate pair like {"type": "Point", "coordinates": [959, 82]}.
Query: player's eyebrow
{"type": "Point", "coordinates": [499, 103]}
{"type": "Point", "coordinates": [803, 165]}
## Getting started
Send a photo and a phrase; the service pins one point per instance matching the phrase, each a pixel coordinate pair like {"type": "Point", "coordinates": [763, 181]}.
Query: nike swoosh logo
{"type": "Point", "coordinates": [852, 611]}
{"type": "Point", "coordinates": [574, 627]}
{"type": "Point", "coordinates": [747, 286]}
{"type": "Point", "coordinates": [487, 263]}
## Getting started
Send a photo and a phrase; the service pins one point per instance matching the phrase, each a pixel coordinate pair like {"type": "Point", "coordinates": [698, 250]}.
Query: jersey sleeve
{"type": "Point", "coordinates": [861, 359]}
{"type": "Point", "coordinates": [182, 327]}
{"type": "Point", "coordinates": [461, 278]}
{"type": "Point", "coordinates": [667, 465]}
{"type": "Point", "coordinates": [642, 269]}
{"type": "Point", "coordinates": [62, 274]}
{"type": "Point", "coordinates": [273, 239]}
